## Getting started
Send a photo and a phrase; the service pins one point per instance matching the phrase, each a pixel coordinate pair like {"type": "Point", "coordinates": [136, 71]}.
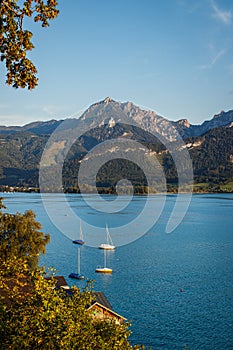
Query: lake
{"type": "Point", "coordinates": [177, 288]}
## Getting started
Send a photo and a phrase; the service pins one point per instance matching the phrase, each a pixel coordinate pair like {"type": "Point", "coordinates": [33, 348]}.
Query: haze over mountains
{"type": "Point", "coordinates": [108, 108]}
{"type": "Point", "coordinates": [210, 145]}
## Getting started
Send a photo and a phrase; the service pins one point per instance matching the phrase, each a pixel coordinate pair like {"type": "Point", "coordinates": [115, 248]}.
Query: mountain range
{"type": "Point", "coordinates": [210, 146]}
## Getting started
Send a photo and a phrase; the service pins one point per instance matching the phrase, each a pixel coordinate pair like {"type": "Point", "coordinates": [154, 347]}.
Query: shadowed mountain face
{"type": "Point", "coordinates": [210, 145]}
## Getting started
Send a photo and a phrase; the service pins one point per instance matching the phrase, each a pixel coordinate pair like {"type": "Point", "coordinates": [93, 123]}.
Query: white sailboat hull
{"type": "Point", "coordinates": [107, 246]}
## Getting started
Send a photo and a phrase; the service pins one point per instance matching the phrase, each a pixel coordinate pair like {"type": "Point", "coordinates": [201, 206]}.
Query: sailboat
{"type": "Point", "coordinates": [109, 245]}
{"type": "Point", "coordinates": [78, 275]}
{"type": "Point", "coordinates": [104, 269]}
{"type": "Point", "coordinates": [80, 240]}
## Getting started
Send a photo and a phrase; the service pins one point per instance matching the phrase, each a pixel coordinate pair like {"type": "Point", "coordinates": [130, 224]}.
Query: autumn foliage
{"type": "Point", "coordinates": [16, 41]}
{"type": "Point", "coordinates": [34, 314]}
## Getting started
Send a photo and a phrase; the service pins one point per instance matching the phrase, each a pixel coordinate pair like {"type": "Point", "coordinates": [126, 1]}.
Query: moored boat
{"type": "Point", "coordinates": [80, 240]}
{"type": "Point", "coordinates": [109, 244]}
{"type": "Point", "coordinates": [77, 275]}
{"type": "Point", "coordinates": [104, 269]}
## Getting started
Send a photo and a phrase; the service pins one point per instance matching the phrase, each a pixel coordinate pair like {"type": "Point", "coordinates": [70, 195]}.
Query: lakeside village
{"type": "Point", "coordinates": [138, 190]}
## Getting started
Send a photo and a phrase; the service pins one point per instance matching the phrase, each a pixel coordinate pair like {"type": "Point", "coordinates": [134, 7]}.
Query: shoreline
{"type": "Point", "coordinates": [17, 189]}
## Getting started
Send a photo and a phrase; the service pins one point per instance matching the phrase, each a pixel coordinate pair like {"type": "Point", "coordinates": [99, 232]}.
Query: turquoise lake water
{"type": "Point", "coordinates": [177, 289]}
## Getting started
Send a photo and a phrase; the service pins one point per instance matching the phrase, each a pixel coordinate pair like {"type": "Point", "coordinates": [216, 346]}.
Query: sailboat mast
{"type": "Point", "coordinates": [107, 234]}
{"type": "Point", "coordinates": [81, 232]}
{"type": "Point", "coordinates": [109, 238]}
{"type": "Point", "coordinates": [104, 258]}
{"type": "Point", "coordinates": [79, 261]}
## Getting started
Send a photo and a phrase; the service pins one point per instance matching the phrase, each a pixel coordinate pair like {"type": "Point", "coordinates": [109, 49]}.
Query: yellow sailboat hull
{"type": "Point", "coordinates": [103, 270]}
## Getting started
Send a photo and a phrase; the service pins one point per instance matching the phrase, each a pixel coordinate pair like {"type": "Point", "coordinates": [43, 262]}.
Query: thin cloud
{"type": "Point", "coordinates": [50, 110]}
{"type": "Point", "coordinates": [60, 112]}
{"type": "Point", "coordinates": [224, 16]}
{"type": "Point", "coordinates": [214, 60]}
{"type": "Point", "coordinates": [217, 57]}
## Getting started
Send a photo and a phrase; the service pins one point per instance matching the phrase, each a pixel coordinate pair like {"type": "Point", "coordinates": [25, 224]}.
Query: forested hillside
{"type": "Point", "coordinates": [211, 154]}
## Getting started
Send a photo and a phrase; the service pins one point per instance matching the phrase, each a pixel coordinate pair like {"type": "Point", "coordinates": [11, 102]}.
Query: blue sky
{"type": "Point", "coordinates": [171, 56]}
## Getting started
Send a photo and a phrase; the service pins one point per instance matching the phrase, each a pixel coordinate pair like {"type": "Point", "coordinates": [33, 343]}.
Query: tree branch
{"type": "Point", "coordinates": [3, 2]}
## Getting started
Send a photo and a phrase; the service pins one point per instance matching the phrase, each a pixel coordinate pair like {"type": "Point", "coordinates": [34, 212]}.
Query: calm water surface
{"type": "Point", "coordinates": [149, 274]}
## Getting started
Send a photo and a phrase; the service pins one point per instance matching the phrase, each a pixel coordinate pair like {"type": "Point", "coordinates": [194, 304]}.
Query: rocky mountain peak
{"type": "Point", "coordinates": [184, 122]}
{"type": "Point", "coordinates": [108, 99]}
